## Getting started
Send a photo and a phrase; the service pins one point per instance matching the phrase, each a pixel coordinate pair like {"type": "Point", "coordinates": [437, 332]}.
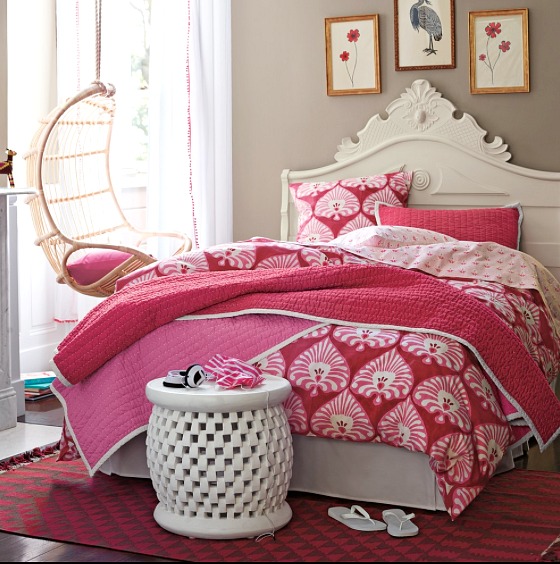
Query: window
{"type": "Point", "coordinates": [124, 62]}
{"type": "Point", "coordinates": [170, 61]}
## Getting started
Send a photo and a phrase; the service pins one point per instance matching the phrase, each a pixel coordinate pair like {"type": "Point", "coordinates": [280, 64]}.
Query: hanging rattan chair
{"type": "Point", "coordinates": [77, 217]}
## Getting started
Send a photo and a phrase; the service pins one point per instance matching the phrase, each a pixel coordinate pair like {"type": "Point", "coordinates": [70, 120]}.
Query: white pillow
{"type": "Point", "coordinates": [390, 237]}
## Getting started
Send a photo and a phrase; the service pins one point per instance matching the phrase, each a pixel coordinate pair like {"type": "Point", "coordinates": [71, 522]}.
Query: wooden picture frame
{"type": "Point", "coordinates": [424, 34]}
{"type": "Point", "coordinates": [352, 53]}
{"type": "Point", "coordinates": [499, 51]}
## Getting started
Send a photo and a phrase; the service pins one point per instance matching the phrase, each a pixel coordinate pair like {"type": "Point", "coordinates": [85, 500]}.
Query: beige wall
{"type": "Point", "coordinates": [282, 117]}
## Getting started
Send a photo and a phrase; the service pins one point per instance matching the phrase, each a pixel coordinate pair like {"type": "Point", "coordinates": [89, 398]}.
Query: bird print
{"type": "Point", "coordinates": [426, 18]}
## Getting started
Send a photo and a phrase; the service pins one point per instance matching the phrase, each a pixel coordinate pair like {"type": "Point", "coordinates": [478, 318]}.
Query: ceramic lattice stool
{"type": "Point", "coordinates": [220, 460]}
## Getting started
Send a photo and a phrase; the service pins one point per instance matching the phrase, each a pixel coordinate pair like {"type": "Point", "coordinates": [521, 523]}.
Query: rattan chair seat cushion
{"type": "Point", "coordinates": [95, 264]}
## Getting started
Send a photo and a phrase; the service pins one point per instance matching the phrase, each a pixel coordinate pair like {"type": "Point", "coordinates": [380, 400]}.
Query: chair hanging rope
{"type": "Point", "coordinates": [98, 10]}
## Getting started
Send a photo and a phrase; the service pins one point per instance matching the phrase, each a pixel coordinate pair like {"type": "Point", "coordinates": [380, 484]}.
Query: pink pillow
{"type": "Point", "coordinates": [499, 225]}
{"type": "Point", "coordinates": [95, 264]}
{"type": "Point", "coordinates": [329, 209]}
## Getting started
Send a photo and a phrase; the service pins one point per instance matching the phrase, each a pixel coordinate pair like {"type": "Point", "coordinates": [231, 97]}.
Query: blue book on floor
{"type": "Point", "coordinates": [36, 379]}
{"type": "Point", "coordinates": [38, 386]}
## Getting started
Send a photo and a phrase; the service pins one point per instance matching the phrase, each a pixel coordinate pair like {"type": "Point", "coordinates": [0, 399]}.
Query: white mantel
{"type": "Point", "coordinates": [9, 333]}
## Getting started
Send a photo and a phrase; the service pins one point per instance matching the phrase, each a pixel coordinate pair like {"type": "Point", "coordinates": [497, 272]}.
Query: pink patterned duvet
{"type": "Point", "coordinates": [460, 389]}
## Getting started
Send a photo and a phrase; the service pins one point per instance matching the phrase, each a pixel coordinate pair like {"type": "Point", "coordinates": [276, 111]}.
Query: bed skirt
{"type": "Point", "coordinates": [371, 472]}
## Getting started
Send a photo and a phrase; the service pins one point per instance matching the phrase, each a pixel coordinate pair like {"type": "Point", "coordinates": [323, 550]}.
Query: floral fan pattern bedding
{"type": "Point", "coordinates": [329, 209]}
{"type": "Point", "coordinates": [416, 389]}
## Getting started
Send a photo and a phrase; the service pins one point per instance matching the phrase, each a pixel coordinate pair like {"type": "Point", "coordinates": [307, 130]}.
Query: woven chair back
{"type": "Point", "coordinates": [75, 207]}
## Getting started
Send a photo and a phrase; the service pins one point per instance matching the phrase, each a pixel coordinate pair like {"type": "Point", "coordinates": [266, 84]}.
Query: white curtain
{"type": "Point", "coordinates": [189, 181]}
{"type": "Point", "coordinates": [189, 152]}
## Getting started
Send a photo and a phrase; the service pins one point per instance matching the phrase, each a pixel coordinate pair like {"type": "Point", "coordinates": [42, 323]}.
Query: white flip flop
{"type": "Point", "coordinates": [400, 524]}
{"type": "Point", "coordinates": [356, 518]}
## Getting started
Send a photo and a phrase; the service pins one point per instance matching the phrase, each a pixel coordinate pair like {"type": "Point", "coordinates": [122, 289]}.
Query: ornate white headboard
{"type": "Point", "coordinates": [454, 167]}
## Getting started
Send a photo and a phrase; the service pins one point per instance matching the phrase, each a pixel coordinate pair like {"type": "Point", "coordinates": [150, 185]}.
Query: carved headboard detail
{"type": "Point", "coordinates": [453, 165]}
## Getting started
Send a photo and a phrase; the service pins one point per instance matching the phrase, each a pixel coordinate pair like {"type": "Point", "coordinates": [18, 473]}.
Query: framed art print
{"type": "Point", "coordinates": [424, 34]}
{"type": "Point", "coordinates": [499, 51]}
{"type": "Point", "coordinates": [352, 50]}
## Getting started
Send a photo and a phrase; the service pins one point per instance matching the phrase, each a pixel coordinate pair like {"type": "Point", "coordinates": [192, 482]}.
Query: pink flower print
{"type": "Point", "coordinates": [353, 35]}
{"type": "Point", "coordinates": [504, 46]}
{"type": "Point", "coordinates": [370, 183]}
{"type": "Point", "coordinates": [342, 418]}
{"type": "Point", "coordinates": [492, 31]}
{"type": "Point", "coordinates": [320, 369]}
{"type": "Point", "coordinates": [448, 403]}
{"type": "Point", "coordinates": [452, 456]}
{"type": "Point", "coordinates": [446, 398]}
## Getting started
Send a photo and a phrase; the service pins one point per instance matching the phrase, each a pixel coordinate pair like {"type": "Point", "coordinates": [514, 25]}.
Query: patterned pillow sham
{"type": "Point", "coordinates": [499, 225]}
{"type": "Point", "coordinates": [329, 209]}
{"type": "Point", "coordinates": [390, 237]}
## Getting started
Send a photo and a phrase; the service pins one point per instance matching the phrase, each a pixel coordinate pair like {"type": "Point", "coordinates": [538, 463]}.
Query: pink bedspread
{"type": "Point", "coordinates": [437, 337]}
{"type": "Point", "coordinates": [118, 387]}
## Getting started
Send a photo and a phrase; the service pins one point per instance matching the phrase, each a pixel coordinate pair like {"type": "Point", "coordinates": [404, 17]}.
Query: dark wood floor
{"type": "Point", "coordinates": [46, 411]}
{"type": "Point", "coordinates": [15, 548]}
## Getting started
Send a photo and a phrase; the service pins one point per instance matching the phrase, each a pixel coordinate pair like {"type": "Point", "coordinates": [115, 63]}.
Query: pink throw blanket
{"type": "Point", "coordinates": [394, 298]}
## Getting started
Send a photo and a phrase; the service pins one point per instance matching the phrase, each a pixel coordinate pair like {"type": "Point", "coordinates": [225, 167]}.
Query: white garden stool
{"type": "Point", "coordinates": [220, 459]}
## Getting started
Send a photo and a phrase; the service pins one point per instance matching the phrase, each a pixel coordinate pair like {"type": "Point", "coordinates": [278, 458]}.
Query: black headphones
{"type": "Point", "coordinates": [192, 377]}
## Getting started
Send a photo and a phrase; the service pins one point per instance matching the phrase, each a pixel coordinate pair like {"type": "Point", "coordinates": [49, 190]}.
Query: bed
{"type": "Point", "coordinates": [415, 400]}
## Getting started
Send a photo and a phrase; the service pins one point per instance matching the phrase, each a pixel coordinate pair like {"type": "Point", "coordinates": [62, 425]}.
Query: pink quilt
{"type": "Point", "coordinates": [432, 364]}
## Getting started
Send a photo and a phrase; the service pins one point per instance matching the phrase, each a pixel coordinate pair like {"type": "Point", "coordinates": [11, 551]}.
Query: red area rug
{"type": "Point", "coordinates": [30, 456]}
{"type": "Point", "coordinates": [515, 519]}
